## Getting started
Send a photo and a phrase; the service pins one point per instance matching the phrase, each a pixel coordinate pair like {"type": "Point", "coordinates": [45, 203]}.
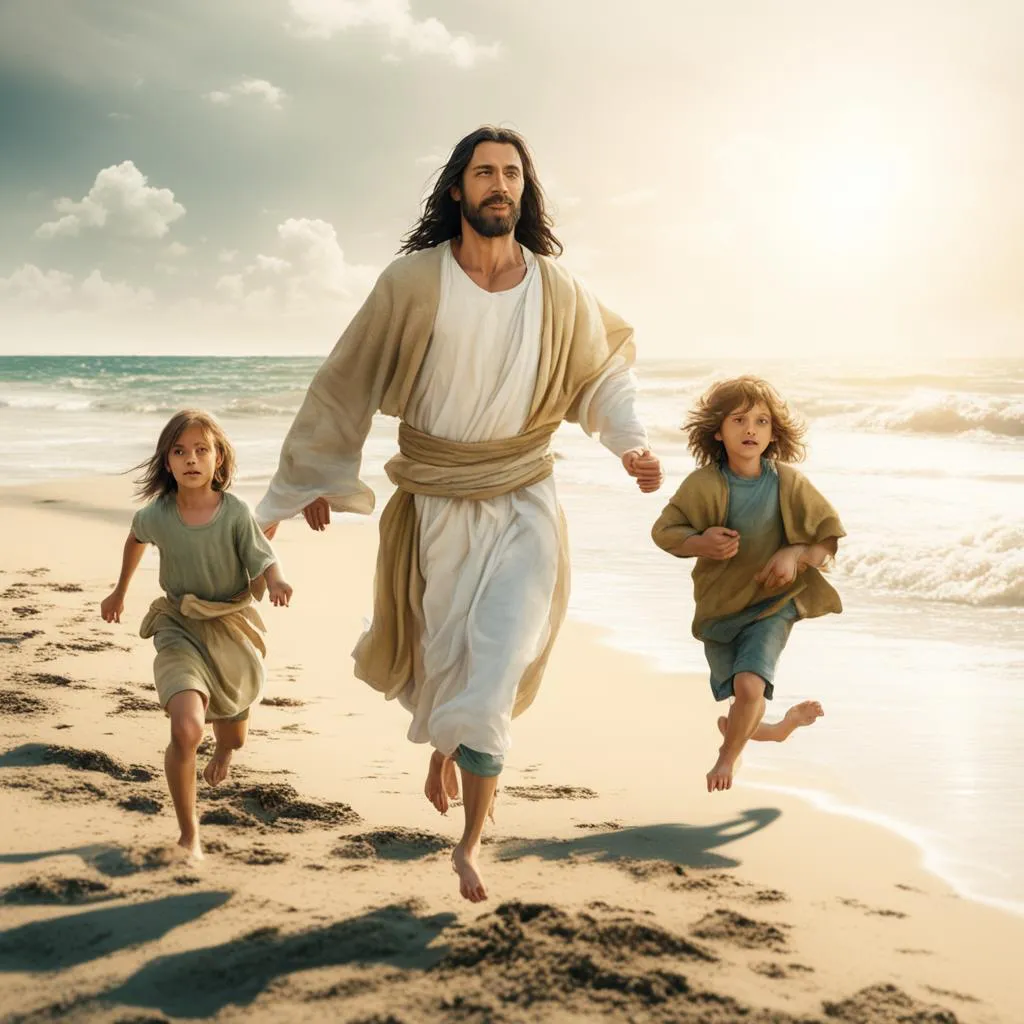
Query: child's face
{"type": "Point", "coordinates": [746, 433]}
{"type": "Point", "coordinates": [193, 459]}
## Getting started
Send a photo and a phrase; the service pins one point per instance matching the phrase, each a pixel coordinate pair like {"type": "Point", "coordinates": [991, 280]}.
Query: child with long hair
{"type": "Point", "coordinates": [760, 532]}
{"type": "Point", "coordinates": [213, 561]}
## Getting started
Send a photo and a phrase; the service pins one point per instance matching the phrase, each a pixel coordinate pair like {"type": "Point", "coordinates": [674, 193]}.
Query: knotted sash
{"type": "Point", "coordinates": [387, 656]}
{"type": "Point", "coordinates": [219, 642]}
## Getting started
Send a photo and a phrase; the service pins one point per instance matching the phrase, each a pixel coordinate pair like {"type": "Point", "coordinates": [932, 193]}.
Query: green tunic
{"type": "Point", "coordinates": [214, 561]}
{"type": "Point", "coordinates": [207, 634]}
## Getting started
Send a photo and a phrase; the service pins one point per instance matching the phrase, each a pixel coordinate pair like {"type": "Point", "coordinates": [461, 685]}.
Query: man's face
{"type": "Point", "coordinates": [492, 189]}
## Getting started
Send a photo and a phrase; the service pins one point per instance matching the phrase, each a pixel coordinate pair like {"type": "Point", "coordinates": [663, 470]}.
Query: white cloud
{"type": "Point", "coordinates": [273, 264]}
{"type": "Point", "coordinates": [53, 289]}
{"type": "Point", "coordinates": [321, 19]}
{"type": "Point", "coordinates": [319, 262]}
{"type": "Point", "coordinates": [177, 249]}
{"type": "Point", "coordinates": [310, 274]}
{"type": "Point", "coordinates": [114, 295]}
{"type": "Point", "coordinates": [259, 87]}
{"type": "Point", "coordinates": [227, 255]}
{"type": "Point", "coordinates": [30, 285]}
{"type": "Point", "coordinates": [121, 200]}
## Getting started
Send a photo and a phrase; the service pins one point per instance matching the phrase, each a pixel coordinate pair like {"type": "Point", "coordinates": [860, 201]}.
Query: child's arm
{"type": "Point", "coordinates": [675, 533]}
{"type": "Point", "coordinates": [279, 591]}
{"type": "Point", "coordinates": [112, 605]}
{"type": "Point", "coordinates": [788, 562]}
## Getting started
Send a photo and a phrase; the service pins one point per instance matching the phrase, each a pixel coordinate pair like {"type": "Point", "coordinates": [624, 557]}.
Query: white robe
{"type": "Point", "coordinates": [489, 566]}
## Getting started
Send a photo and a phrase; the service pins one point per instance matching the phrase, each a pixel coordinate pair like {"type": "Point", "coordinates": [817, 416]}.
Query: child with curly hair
{"type": "Point", "coordinates": [760, 533]}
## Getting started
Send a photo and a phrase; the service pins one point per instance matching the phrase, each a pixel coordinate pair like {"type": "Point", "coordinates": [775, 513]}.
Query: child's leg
{"type": "Point", "coordinates": [229, 734]}
{"type": "Point", "coordinates": [804, 713]}
{"type": "Point", "coordinates": [187, 713]}
{"type": "Point", "coordinates": [744, 717]}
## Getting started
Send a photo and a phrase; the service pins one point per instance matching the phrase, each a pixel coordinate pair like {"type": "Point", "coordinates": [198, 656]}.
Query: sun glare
{"type": "Point", "coordinates": [849, 196]}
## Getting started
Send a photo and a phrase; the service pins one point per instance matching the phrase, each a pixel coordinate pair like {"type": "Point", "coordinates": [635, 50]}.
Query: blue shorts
{"type": "Point", "coordinates": [755, 648]}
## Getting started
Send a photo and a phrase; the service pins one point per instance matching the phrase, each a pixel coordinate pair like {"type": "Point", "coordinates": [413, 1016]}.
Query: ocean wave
{"type": "Point", "coordinates": [984, 568]}
{"type": "Point", "coordinates": [948, 415]}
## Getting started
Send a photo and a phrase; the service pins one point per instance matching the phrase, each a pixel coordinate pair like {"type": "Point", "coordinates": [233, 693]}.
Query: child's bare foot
{"type": "Point", "coordinates": [804, 713]}
{"type": "Point", "coordinates": [442, 783]}
{"type": "Point", "coordinates": [471, 885]}
{"type": "Point", "coordinates": [720, 777]}
{"type": "Point", "coordinates": [216, 770]}
{"type": "Point", "coordinates": [189, 843]}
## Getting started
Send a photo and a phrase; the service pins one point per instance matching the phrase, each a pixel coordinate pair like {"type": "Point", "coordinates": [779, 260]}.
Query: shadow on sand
{"type": "Point", "coordinates": [686, 845]}
{"type": "Point", "coordinates": [61, 942]}
{"type": "Point", "coordinates": [202, 982]}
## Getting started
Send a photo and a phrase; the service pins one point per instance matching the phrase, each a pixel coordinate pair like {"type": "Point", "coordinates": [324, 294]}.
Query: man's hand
{"type": "Point", "coordinates": [782, 568]}
{"type": "Point", "coordinates": [719, 543]}
{"type": "Point", "coordinates": [318, 514]}
{"type": "Point", "coordinates": [270, 529]}
{"type": "Point", "coordinates": [112, 606]}
{"type": "Point", "coordinates": [280, 593]}
{"type": "Point", "coordinates": [645, 467]}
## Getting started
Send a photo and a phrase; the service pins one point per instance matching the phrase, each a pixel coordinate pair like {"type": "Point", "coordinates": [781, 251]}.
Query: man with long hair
{"type": "Point", "coordinates": [481, 344]}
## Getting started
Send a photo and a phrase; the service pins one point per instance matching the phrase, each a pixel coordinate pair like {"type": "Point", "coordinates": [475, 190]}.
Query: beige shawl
{"type": "Point", "coordinates": [374, 367]}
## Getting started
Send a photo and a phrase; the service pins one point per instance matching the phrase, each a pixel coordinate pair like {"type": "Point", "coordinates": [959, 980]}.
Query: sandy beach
{"type": "Point", "coordinates": [619, 889]}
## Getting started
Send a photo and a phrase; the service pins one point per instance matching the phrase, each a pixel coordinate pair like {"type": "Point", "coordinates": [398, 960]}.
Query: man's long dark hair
{"type": "Point", "coordinates": [442, 215]}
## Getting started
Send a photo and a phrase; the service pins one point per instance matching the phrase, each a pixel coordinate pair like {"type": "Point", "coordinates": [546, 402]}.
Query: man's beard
{"type": "Point", "coordinates": [487, 223]}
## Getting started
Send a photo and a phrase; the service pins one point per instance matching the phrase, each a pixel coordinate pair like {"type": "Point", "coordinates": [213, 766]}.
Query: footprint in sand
{"type": "Point", "coordinates": [872, 911]}
{"type": "Point", "coordinates": [271, 805]}
{"type": "Point", "coordinates": [34, 754]}
{"type": "Point", "coordinates": [728, 926]}
{"type": "Point", "coordinates": [130, 704]}
{"type": "Point", "coordinates": [45, 679]}
{"type": "Point", "coordinates": [17, 639]}
{"type": "Point", "coordinates": [550, 792]}
{"type": "Point", "coordinates": [14, 702]}
{"type": "Point", "coordinates": [773, 969]}
{"type": "Point", "coordinates": [257, 856]}
{"type": "Point", "coordinates": [886, 1002]}
{"type": "Point", "coordinates": [282, 702]}
{"type": "Point", "coordinates": [27, 611]}
{"type": "Point", "coordinates": [141, 803]}
{"type": "Point", "coordinates": [392, 844]}
{"type": "Point", "coordinates": [58, 889]}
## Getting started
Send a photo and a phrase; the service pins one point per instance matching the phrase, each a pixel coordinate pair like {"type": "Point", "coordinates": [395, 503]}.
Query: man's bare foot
{"type": "Point", "coordinates": [216, 770]}
{"type": "Point", "coordinates": [804, 713]}
{"type": "Point", "coordinates": [471, 885]}
{"type": "Point", "coordinates": [720, 777]}
{"type": "Point", "coordinates": [450, 779]}
{"type": "Point", "coordinates": [189, 843]}
{"type": "Point", "coordinates": [440, 777]}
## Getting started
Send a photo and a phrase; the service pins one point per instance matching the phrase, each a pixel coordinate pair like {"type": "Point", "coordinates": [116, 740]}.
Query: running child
{"type": "Point", "coordinates": [760, 533]}
{"type": "Point", "coordinates": [214, 561]}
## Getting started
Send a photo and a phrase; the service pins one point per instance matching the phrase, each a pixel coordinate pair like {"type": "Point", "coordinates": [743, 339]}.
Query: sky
{"type": "Point", "coordinates": [781, 178]}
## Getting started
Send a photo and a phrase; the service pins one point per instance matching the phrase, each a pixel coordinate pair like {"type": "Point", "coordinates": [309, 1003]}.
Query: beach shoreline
{"type": "Point", "coordinates": [602, 826]}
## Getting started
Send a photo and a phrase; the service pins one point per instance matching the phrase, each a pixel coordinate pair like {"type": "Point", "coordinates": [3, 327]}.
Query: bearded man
{"type": "Point", "coordinates": [481, 344]}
